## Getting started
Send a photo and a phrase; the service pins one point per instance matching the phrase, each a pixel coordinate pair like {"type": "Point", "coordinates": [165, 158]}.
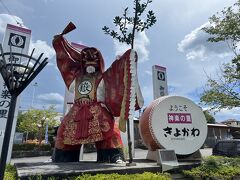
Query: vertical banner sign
{"type": "Point", "coordinates": [17, 40]}
{"type": "Point", "coordinates": [69, 94]}
{"type": "Point", "coordinates": [159, 81]}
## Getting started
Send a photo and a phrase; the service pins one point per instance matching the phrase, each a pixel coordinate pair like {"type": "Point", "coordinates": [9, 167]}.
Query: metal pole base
{"type": "Point", "coordinates": [7, 136]}
{"type": "Point", "coordinates": [131, 164]}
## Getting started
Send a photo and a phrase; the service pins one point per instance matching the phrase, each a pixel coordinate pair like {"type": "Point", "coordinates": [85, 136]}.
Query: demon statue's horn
{"type": "Point", "coordinates": [68, 28]}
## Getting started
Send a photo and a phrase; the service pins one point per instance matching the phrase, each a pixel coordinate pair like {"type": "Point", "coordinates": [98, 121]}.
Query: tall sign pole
{"type": "Point", "coordinates": [17, 75]}
{"type": "Point", "coordinates": [160, 87]}
{"type": "Point", "coordinates": [16, 39]}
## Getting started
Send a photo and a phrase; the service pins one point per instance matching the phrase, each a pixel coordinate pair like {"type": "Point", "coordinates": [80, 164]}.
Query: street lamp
{"type": "Point", "coordinates": [46, 131]}
{"type": "Point", "coordinates": [17, 76]}
{"type": "Point", "coordinates": [39, 134]}
{"type": "Point", "coordinates": [33, 95]}
{"type": "Point", "coordinates": [46, 128]}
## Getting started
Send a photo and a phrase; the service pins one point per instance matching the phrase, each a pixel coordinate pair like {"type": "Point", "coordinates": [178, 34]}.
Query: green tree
{"type": "Point", "coordinates": [223, 92]}
{"type": "Point", "coordinates": [127, 27]}
{"type": "Point", "coordinates": [34, 121]}
{"type": "Point", "coordinates": [210, 119]}
{"type": "Point", "coordinates": [123, 23]}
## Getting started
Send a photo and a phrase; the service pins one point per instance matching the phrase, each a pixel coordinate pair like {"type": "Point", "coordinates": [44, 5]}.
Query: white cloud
{"type": "Point", "coordinates": [186, 12]}
{"type": "Point", "coordinates": [51, 98]}
{"type": "Point", "coordinates": [196, 47]}
{"type": "Point", "coordinates": [39, 45]}
{"type": "Point", "coordinates": [148, 72]}
{"type": "Point", "coordinates": [205, 59]}
{"type": "Point", "coordinates": [9, 19]}
{"type": "Point", "coordinates": [226, 114]}
{"type": "Point", "coordinates": [42, 47]}
{"type": "Point", "coordinates": [147, 92]}
{"type": "Point", "coordinates": [141, 43]}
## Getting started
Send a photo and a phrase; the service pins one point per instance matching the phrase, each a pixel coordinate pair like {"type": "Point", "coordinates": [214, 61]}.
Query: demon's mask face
{"type": "Point", "coordinates": [91, 60]}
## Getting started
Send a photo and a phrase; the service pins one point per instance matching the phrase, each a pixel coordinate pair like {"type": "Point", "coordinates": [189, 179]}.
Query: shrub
{"type": "Point", "coordinates": [216, 167]}
{"type": "Point", "coordinates": [145, 176]}
{"type": "Point", "coordinates": [10, 172]}
{"type": "Point", "coordinates": [31, 147]}
{"type": "Point", "coordinates": [32, 141]}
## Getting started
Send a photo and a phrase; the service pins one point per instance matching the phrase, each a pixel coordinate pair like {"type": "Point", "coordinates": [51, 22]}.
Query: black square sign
{"type": "Point", "coordinates": [17, 40]}
{"type": "Point", "coordinates": [161, 76]}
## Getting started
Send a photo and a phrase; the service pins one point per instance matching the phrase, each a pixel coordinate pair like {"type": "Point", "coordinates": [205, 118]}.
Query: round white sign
{"type": "Point", "coordinates": [177, 123]}
{"type": "Point", "coordinates": [85, 87]}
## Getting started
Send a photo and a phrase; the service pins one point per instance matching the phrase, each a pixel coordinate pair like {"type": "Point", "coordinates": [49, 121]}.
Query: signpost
{"type": "Point", "coordinates": [16, 39]}
{"type": "Point", "coordinates": [17, 70]}
{"type": "Point", "coordinates": [159, 75]}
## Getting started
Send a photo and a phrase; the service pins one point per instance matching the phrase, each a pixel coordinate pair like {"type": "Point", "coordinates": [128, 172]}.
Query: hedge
{"type": "Point", "coordinates": [32, 147]}
{"type": "Point", "coordinates": [10, 174]}
{"type": "Point", "coordinates": [145, 176]}
{"type": "Point", "coordinates": [216, 167]}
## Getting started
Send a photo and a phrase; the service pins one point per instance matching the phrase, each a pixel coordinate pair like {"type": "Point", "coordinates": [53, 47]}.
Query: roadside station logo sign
{"type": "Point", "coordinates": [17, 40]}
{"type": "Point", "coordinates": [161, 76]}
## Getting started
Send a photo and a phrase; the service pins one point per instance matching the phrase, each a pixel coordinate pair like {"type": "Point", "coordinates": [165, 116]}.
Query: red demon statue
{"type": "Point", "coordinates": [100, 96]}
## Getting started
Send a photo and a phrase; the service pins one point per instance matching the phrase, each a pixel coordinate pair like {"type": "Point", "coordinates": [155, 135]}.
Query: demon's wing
{"type": "Point", "coordinates": [122, 92]}
{"type": "Point", "coordinates": [68, 59]}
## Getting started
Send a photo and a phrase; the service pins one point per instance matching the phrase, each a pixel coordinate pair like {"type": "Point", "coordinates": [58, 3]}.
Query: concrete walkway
{"type": "Point", "coordinates": [41, 166]}
{"type": "Point", "coordinates": [139, 154]}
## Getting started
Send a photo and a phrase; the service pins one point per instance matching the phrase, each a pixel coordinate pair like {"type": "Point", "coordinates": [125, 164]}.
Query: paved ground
{"type": "Point", "coordinates": [139, 154]}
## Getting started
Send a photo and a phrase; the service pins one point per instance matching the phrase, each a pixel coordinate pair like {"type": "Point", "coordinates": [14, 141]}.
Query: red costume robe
{"type": "Point", "coordinates": [92, 119]}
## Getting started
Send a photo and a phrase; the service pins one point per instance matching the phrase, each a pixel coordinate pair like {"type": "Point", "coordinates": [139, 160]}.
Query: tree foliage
{"type": "Point", "coordinates": [124, 35]}
{"type": "Point", "coordinates": [34, 121]}
{"type": "Point", "coordinates": [224, 92]}
{"type": "Point", "coordinates": [224, 26]}
{"type": "Point", "coordinates": [209, 117]}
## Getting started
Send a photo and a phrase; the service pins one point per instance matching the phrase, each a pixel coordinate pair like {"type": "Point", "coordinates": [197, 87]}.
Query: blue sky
{"type": "Point", "coordinates": [175, 42]}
